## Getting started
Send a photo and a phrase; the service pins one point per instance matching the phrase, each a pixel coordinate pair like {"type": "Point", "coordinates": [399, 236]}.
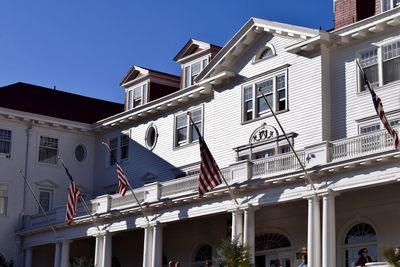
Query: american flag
{"type": "Point", "coordinates": [210, 174]}
{"type": "Point", "coordinates": [73, 197]}
{"type": "Point", "coordinates": [379, 110]}
{"type": "Point", "coordinates": [122, 181]}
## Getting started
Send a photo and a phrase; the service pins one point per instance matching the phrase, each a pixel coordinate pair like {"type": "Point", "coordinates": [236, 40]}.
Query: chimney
{"type": "Point", "coordinates": [350, 11]}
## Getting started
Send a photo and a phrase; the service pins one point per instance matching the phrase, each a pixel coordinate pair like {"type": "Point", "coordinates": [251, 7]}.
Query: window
{"type": "Point", "coordinates": [151, 137]}
{"type": "Point", "coordinates": [185, 133]}
{"type": "Point", "coordinates": [45, 199]}
{"type": "Point", "coordinates": [203, 254]}
{"type": "Point", "coordinates": [264, 154]}
{"type": "Point", "coordinates": [136, 96]}
{"type": "Point", "coordinates": [5, 142]}
{"type": "Point", "coordinates": [381, 64]}
{"type": "Point", "coordinates": [80, 153]}
{"type": "Point", "coordinates": [275, 91]}
{"type": "Point", "coordinates": [3, 199]}
{"type": "Point", "coordinates": [360, 236]}
{"type": "Point", "coordinates": [48, 150]}
{"type": "Point", "coordinates": [389, 4]}
{"type": "Point", "coordinates": [124, 142]}
{"type": "Point", "coordinates": [266, 52]}
{"type": "Point", "coordinates": [192, 71]}
{"type": "Point", "coordinates": [370, 128]}
{"type": "Point", "coordinates": [119, 147]}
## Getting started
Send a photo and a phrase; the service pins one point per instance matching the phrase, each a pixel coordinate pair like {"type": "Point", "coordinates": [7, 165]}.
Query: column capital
{"type": "Point", "coordinates": [329, 193]}
{"type": "Point", "coordinates": [248, 207]}
{"type": "Point", "coordinates": [311, 196]}
{"type": "Point", "coordinates": [152, 224]}
{"type": "Point", "coordinates": [235, 210]}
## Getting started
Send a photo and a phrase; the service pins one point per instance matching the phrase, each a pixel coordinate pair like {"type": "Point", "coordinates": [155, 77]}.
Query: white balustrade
{"type": "Point", "coordinates": [277, 164]}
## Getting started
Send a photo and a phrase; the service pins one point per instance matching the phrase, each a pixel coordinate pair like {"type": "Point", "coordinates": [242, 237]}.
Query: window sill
{"type": "Point", "coordinates": [379, 88]}
{"type": "Point", "coordinates": [186, 145]}
{"type": "Point", "coordinates": [264, 116]}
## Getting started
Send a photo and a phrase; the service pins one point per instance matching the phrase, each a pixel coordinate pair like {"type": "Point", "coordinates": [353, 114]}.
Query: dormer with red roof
{"type": "Point", "coordinates": [194, 57]}
{"type": "Point", "coordinates": [143, 85]}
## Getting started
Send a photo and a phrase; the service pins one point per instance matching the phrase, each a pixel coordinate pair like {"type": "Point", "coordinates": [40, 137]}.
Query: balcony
{"type": "Point", "coordinates": [273, 169]}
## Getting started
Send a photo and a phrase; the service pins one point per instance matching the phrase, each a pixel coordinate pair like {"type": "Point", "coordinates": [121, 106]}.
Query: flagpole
{"type": "Point", "coordinates": [220, 173]}
{"type": "Point", "coordinates": [363, 73]}
{"type": "Point", "coordinates": [129, 185]}
{"type": "Point", "coordinates": [83, 199]}
{"type": "Point", "coordinates": [287, 139]}
{"type": "Point", "coordinates": [37, 201]}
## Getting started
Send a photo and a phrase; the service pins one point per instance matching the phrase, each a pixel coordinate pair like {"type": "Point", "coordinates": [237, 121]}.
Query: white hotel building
{"type": "Point", "coordinates": [310, 78]}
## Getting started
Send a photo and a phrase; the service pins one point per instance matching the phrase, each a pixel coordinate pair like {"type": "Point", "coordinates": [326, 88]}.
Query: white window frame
{"type": "Point", "coordinates": [257, 58]}
{"type": "Point", "coordinates": [130, 99]}
{"type": "Point", "coordinates": [275, 105]}
{"type": "Point", "coordinates": [7, 155]}
{"type": "Point", "coordinates": [5, 197]}
{"type": "Point", "coordinates": [118, 148]}
{"type": "Point", "coordinates": [204, 61]}
{"type": "Point", "coordinates": [379, 47]}
{"type": "Point", "coordinates": [39, 147]}
{"type": "Point", "coordinates": [392, 5]}
{"type": "Point", "coordinates": [51, 194]}
{"type": "Point", "coordinates": [124, 146]}
{"type": "Point", "coordinates": [189, 127]}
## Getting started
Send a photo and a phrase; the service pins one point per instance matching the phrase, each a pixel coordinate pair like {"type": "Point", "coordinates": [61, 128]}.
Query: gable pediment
{"type": "Point", "coordinates": [192, 47]}
{"type": "Point", "coordinates": [46, 183]}
{"type": "Point", "coordinates": [133, 74]}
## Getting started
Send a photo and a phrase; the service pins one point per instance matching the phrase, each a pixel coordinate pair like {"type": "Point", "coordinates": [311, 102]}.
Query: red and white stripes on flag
{"type": "Point", "coordinates": [379, 110]}
{"type": "Point", "coordinates": [122, 180]}
{"type": "Point", "coordinates": [210, 175]}
{"type": "Point", "coordinates": [73, 197]}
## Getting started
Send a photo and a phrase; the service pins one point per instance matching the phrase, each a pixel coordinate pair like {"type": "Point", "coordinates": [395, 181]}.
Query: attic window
{"type": "Point", "coordinates": [266, 52]}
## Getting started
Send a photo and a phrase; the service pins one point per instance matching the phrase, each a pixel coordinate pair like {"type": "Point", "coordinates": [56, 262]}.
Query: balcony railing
{"type": "Point", "coordinates": [349, 148]}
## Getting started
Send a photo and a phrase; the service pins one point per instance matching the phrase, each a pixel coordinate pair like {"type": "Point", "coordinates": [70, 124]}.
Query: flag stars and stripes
{"type": "Point", "coordinates": [122, 180]}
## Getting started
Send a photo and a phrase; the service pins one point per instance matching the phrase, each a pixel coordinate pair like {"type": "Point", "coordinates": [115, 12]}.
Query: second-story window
{"type": "Point", "coordinates": [274, 89]}
{"type": "Point", "coordinates": [5, 142]}
{"type": "Point", "coordinates": [124, 146]}
{"type": "Point", "coordinates": [381, 64]}
{"type": "Point", "coordinates": [48, 150]}
{"type": "Point", "coordinates": [136, 97]}
{"type": "Point", "coordinates": [119, 148]}
{"type": "Point", "coordinates": [389, 4]}
{"type": "Point", "coordinates": [192, 71]}
{"type": "Point", "coordinates": [45, 199]}
{"type": "Point", "coordinates": [184, 129]}
{"type": "Point", "coordinates": [114, 150]}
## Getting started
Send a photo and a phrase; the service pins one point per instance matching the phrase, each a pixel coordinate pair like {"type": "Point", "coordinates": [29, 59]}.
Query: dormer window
{"type": "Point", "coordinates": [136, 96]}
{"type": "Point", "coordinates": [192, 70]}
{"type": "Point", "coordinates": [389, 4]}
{"type": "Point", "coordinates": [267, 52]}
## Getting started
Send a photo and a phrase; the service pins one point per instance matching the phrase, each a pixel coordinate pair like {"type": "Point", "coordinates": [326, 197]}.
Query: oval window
{"type": "Point", "coordinates": [151, 137]}
{"type": "Point", "coordinates": [80, 153]}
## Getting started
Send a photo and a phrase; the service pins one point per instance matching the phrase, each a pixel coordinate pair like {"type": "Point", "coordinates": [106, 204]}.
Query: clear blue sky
{"type": "Point", "coordinates": [87, 46]}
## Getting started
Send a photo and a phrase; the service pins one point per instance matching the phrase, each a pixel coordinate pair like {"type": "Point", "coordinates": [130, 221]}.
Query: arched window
{"type": "Point", "coordinates": [203, 254]}
{"type": "Point", "coordinates": [266, 52]}
{"type": "Point", "coordinates": [271, 241]}
{"type": "Point", "coordinates": [360, 236]}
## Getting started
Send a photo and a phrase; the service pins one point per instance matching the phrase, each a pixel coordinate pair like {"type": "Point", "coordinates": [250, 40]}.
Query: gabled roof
{"type": "Point", "coordinates": [247, 34]}
{"type": "Point", "coordinates": [137, 72]}
{"type": "Point", "coordinates": [54, 103]}
{"type": "Point", "coordinates": [193, 47]}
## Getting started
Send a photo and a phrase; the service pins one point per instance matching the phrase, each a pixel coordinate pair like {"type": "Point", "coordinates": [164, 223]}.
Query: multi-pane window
{"type": "Point", "coordinates": [275, 91]}
{"type": "Point", "coordinates": [184, 130]}
{"type": "Point", "coordinates": [192, 71]}
{"type": "Point", "coordinates": [3, 199]}
{"type": "Point", "coordinates": [48, 150]}
{"type": "Point", "coordinates": [389, 4]}
{"type": "Point", "coordinates": [124, 145]}
{"type": "Point", "coordinates": [381, 64]}
{"type": "Point", "coordinates": [370, 128]}
{"type": "Point", "coordinates": [5, 142]}
{"type": "Point", "coordinates": [45, 199]}
{"type": "Point", "coordinates": [136, 97]}
{"type": "Point", "coordinates": [114, 150]}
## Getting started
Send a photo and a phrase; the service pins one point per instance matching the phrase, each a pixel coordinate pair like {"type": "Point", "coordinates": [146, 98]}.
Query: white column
{"type": "Point", "coordinates": [314, 233]}
{"type": "Point", "coordinates": [98, 250]}
{"type": "Point", "coordinates": [28, 257]}
{"type": "Point", "coordinates": [249, 232]}
{"type": "Point", "coordinates": [107, 249]}
{"type": "Point", "coordinates": [147, 245]}
{"type": "Point", "coordinates": [317, 231]}
{"type": "Point", "coordinates": [65, 253]}
{"type": "Point", "coordinates": [237, 225]}
{"type": "Point", "coordinates": [328, 230]}
{"type": "Point", "coordinates": [157, 246]}
{"type": "Point", "coordinates": [57, 254]}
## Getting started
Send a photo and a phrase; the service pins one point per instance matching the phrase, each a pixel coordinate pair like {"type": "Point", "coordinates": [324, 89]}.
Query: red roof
{"type": "Point", "coordinates": [50, 102]}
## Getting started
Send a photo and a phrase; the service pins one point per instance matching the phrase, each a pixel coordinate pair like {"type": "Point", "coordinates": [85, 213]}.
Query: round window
{"type": "Point", "coordinates": [151, 136]}
{"type": "Point", "coordinates": [80, 153]}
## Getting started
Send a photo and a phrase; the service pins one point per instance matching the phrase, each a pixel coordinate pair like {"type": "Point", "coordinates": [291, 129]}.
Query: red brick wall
{"type": "Point", "coordinates": [350, 11]}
